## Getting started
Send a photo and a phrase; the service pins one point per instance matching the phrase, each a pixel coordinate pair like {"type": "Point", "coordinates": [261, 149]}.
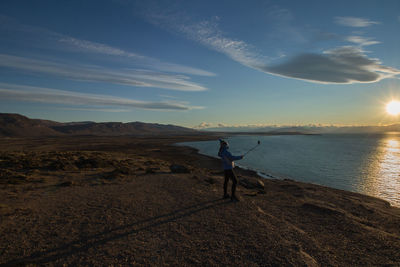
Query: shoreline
{"type": "Point", "coordinates": [116, 201]}
{"type": "Point", "coordinates": [238, 166]}
{"type": "Point", "coordinates": [242, 170]}
{"type": "Point", "coordinates": [292, 178]}
{"type": "Point", "coordinates": [172, 141]}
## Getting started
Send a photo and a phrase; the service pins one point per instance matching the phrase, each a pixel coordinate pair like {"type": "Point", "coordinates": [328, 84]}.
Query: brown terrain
{"type": "Point", "coordinates": [142, 201]}
{"type": "Point", "coordinates": [15, 125]}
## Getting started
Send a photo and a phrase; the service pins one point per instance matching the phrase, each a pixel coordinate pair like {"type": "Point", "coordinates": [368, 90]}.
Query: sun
{"type": "Point", "coordinates": [393, 107]}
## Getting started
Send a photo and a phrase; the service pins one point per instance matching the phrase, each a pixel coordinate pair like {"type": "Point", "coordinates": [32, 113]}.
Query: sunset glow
{"type": "Point", "coordinates": [393, 107]}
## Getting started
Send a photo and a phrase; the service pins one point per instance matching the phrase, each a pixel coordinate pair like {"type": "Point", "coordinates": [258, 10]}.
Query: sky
{"type": "Point", "coordinates": [201, 63]}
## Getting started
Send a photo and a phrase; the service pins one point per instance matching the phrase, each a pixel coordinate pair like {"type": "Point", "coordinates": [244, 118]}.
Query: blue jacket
{"type": "Point", "coordinates": [227, 159]}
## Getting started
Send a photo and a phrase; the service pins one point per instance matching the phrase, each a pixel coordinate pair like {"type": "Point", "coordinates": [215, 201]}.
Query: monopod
{"type": "Point", "coordinates": [251, 149]}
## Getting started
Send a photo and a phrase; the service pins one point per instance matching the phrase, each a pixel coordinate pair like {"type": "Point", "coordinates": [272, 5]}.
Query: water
{"type": "Point", "coordinates": [368, 164]}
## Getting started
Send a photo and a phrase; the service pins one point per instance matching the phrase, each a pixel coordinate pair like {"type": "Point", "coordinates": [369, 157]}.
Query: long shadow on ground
{"type": "Point", "coordinates": [112, 234]}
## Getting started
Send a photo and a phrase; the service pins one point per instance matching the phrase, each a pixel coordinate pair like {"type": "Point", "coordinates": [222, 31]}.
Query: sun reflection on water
{"type": "Point", "coordinates": [384, 172]}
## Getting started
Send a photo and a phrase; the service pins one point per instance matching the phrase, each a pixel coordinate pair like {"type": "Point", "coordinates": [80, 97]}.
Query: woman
{"type": "Point", "coordinates": [228, 164]}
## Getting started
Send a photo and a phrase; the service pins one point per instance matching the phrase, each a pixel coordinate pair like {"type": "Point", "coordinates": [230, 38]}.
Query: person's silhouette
{"type": "Point", "coordinates": [228, 165]}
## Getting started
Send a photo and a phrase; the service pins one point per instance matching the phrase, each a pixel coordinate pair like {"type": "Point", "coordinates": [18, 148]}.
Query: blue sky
{"type": "Point", "coordinates": [201, 63]}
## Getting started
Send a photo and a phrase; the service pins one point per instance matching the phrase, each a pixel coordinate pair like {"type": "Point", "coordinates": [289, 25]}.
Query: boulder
{"type": "Point", "coordinates": [251, 184]}
{"type": "Point", "coordinates": [66, 183]}
{"type": "Point", "coordinates": [210, 180]}
{"type": "Point", "coordinates": [175, 168]}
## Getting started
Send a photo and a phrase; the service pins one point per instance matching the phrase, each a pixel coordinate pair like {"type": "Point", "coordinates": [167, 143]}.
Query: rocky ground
{"type": "Point", "coordinates": [91, 201]}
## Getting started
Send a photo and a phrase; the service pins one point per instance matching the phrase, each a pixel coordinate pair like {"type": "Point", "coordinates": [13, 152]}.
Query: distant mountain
{"type": "Point", "coordinates": [347, 129]}
{"type": "Point", "coordinates": [238, 129]}
{"type": "Point", "coordinates": [309, 129]}
{"type": "Point", "coordinates": [15, 125]}
{"type": "Point", "coordinates": [119, 128]}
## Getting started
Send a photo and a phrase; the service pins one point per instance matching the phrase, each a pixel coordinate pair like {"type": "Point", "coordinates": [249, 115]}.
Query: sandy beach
{"type": "Point", "coordinates": [116, 201]}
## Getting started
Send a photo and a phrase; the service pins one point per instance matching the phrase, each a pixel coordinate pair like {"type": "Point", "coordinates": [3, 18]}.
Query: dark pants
{"type": "Point", "coordinates": [229, 174]}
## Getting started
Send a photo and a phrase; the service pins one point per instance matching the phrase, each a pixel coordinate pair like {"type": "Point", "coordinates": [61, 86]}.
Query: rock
{"type": "Point", "coordinates": [123, 170]}
{"type": "Point", "coordinates": [175, 168]}
{"type": "Point", "coordinates": [56, 165]}
{"type": "Point", "coordinates": [260, 184]}
{"type": "Point", "coordinates": [210, 180]}
{"type": "Point", "coordinates": [151, 170]}
{"type": "Point", "coordinates": [195, 177]}
{"type": "Point", "coordinates": [118, 172]}
{"type": "Point", "coordinates": [148, 162]}
{"type": "Point", "coordinates": [90, 163]}
{"type": "Point", "coordinates": [321, 209]}
{"type": "Point", "coordinates": [293, 189]}
{"type": "Point", "coordinates": [251, 194]}
{"type": "Point", "coordinates": [67, 183]}
{"type": "Point", "coordinates": [288, 180]}
{"type": "Point", "coordinates": [5, 210]}
{"type": "Point", "coordinates": [307, 259]}
{"type": "Point", "coordinates": [251, 184]}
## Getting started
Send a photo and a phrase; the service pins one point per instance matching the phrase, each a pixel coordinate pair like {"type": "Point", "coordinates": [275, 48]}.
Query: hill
{"type": "Point", "coordinates": [15, 125]}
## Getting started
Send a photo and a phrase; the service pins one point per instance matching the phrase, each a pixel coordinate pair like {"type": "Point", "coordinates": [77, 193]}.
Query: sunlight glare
{"type": "Point", "coordinates": [393, 107]}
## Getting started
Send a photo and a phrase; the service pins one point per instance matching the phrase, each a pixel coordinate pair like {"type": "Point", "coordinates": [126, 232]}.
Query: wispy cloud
{"type": "Point", "coordinates": [46, 39]}
{"type": "Point", "coordinates": [114, 110]}
{"type": "Point", "coordinates": [341, 65]}
{"type": "Point", "coordinates": [168, 96]}
{"type": "Point", "coordinates": [362, 41]}
{"type": "Point", "coordinates": [53, 96]}
{"type": "Point", "coordinates": [354, 22]}
{"type": "Point", "coordinates": [285, 27]}
{"type": "Point", "coordinates": [93, 47]}
{"type": "Point", "coordinates": [130, 77]}
{"type": "Point", "coordinates": [136, 59]}
{"type": "Point", "coordinates": [208, 34]}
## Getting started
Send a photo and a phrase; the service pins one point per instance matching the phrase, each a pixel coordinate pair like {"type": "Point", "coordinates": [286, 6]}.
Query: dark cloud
{"type": "Point", "coordinates": [342, 65]}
